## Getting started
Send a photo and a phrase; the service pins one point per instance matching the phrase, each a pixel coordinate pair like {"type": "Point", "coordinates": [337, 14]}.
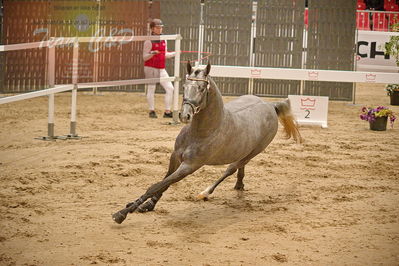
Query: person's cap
{"type": "Point", "coordinates": [156, 23]}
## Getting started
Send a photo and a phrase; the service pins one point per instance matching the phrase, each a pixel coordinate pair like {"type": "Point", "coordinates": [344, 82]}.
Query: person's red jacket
{"type": "Point", "coordinates": [158, 60]}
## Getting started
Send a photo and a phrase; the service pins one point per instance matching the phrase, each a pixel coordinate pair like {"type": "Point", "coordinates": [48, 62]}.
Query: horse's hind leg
{"type": "Point", "coordinates": [240, 165]}
{"type": "Point", "coordinates": [240, 176]}
{"type": "Point", "coordinates": [209, 190]}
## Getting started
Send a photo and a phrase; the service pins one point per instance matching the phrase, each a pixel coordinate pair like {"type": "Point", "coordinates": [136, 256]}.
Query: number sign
{"type": "Point", "coordinates": [310, 110]}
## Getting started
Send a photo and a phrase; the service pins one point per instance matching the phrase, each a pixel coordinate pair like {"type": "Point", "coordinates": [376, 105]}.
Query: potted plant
{"type": "Point", "coordinates": [378, 117]}
{"type": "Point", "coordinates": [393, 93]}
{"type": "Point", "coordinates": [392, 48]}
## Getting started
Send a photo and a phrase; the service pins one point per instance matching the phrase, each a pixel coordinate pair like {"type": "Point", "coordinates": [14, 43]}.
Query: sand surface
{"type": "Point", "coordinates": [333, 200]}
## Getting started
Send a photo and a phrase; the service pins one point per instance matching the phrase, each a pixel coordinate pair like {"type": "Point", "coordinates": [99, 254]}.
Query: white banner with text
{"type": "Point", "coordinates": [370, 52]}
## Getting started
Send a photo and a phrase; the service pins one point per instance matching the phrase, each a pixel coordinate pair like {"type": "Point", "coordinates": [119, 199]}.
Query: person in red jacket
{"type": "Point", "coordinates": [155, 54]}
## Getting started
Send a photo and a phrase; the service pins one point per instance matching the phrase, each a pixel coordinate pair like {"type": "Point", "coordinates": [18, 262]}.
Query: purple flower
{"type": "Point", "coordinates": [370, 114]}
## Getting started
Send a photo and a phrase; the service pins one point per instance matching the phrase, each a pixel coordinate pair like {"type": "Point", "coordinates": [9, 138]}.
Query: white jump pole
{"type": "Point", "coordinates": [303, 74]}
{"type": "Point", "coordinates": [51, 82]}
{"type": "Point", "coordinates": [177, 81]}
{"type": "Point", "coordinates": [75, 69]}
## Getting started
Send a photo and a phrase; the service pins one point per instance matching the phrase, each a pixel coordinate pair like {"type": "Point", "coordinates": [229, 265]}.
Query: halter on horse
{"type": "Point", "coordinates": [195, 106]}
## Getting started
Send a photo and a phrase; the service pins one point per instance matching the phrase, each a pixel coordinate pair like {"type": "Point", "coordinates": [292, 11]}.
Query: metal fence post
{"type": "Point", "coordinates": [51, 83]}
{"type": "Point", "coordinates": [75, 69]}
{"type": "Point", "coordinates": [201, 33]}
{"type": "Point", "coordinates": [252, 45]}
{"type": "Point", "coordinates": [177, 81]}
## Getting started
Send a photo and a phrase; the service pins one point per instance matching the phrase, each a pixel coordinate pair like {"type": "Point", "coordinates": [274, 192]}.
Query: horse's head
{"type": "Point", "coordinates": [195, 92]}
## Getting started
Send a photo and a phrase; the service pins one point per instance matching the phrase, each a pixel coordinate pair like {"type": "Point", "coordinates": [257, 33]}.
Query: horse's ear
{"type": "Point", "coordinates": [189, 68]}
{"type": "Point", "coordinates": [208, 69]}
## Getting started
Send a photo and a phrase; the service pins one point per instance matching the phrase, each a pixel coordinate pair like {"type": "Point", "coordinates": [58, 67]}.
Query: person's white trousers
{"type": "Point", "coordinates": [151, 72]}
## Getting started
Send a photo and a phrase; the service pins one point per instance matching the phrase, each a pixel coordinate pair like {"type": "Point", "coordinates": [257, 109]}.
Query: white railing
{"type": "Point", "coordinates": [53, 42]}
{"type": "Point", "coordinates": [376, 20]}
{"type": "Point", "coordinates": [303, 75]}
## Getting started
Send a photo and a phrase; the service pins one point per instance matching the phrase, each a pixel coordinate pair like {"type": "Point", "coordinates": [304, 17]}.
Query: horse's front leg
{"type": "Point", "coordinates": [149, 205]}
{"type": "Point", "coordinates": [158, 188]}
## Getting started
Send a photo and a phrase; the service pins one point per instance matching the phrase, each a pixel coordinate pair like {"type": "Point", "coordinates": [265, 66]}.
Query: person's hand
{"type": "Point", "coordinates": [155, 52]}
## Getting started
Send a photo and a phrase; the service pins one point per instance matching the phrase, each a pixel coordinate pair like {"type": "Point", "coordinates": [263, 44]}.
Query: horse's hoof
{"type": "Point", "coordinates": [118, 217]}
{"type": "Point", "coordinates": [203, 196]}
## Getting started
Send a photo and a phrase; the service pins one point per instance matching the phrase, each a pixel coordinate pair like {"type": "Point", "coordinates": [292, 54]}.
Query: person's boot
{"type": "Point", "coordinates": [168, 115]}
{"type": "Point", "coordinates": [152, 114]}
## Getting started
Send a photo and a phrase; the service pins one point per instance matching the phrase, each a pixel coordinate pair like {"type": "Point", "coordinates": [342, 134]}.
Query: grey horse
{"type": "Point", "coordinates": [216, 134]}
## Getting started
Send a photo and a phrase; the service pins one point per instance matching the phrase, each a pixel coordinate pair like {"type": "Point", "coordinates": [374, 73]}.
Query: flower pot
{"type": "Point", "coordinates": [394, 97]}
{"type": "Point", "coordinates": [379, 124]}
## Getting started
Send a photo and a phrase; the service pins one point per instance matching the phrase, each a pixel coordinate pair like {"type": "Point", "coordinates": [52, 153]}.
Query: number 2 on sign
{"type": "Point", "coordinates": [307, 113]}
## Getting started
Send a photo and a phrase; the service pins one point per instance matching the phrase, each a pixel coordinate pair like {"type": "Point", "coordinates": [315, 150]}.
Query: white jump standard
{"type": "Point", "coordinates": [56, 88]}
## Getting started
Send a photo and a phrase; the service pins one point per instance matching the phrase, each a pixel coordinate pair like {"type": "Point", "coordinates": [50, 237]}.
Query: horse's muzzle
{"type": "Point", "coordinates": [186, 114]}
{"type": "Point", "coordinates": [185, 118]}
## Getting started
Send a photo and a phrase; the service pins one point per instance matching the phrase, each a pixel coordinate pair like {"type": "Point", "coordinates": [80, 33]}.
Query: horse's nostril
{"type": "Point", "coordinates": [188, 116]}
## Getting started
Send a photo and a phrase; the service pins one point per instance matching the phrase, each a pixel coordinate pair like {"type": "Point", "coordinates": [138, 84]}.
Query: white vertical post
{"type": "Point", "coordinates": [201, 33]}
{"type": "Point", "coordinates": [301, 87]}
{"type": "Point", "coordinates": [51, 82]}
{"type": "Point", "coordinates": [75, 69]}
{"type": "Point", "coordinates": [50, 130]}
{"type": "Point", "coordinates": [354, 86]}
{"type": "Point", "coordinates": [95, 65]}
{"type": "Point", "coordinates": [252, 46]}
{"type": "Point", "coordinates": [97, 45]}
{"type": "Point", "coordinates": [72, 132]}
{"type": "Point", "coordinates": [51, 67]}
{"type": "Point", "coordinates": [200, 44]}
{"type": "Point", "coordinates": [177, 81]}
{"type": "Point", "coordinates": [75, 61]}
{"type": "Point", "coordinates": [304, 55]}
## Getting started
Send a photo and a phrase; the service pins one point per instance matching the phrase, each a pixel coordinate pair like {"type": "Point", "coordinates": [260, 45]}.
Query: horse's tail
{"type": "Point", "coordinates": [287, 119]}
